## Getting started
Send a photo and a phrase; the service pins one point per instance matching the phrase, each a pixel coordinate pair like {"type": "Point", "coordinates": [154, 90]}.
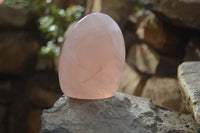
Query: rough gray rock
{"type": "Point", "coordinates": [178, 12]}
{"type": "Point", "coordinates": [189, 79]}
{"type": "Point", "coordinates": [119, 114]}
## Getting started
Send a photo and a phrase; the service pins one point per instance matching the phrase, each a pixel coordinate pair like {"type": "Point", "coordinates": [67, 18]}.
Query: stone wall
{"type": "Point", "coordinates": [157, 41]}
{"type": "Point", "coordinates": [168, 35]}
{"type": "Point", "coordinates": [28, 82]}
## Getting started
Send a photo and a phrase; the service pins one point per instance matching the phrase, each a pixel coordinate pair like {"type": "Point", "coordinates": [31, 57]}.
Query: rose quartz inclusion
{"type": "Point", "coordinates": [92, 59]}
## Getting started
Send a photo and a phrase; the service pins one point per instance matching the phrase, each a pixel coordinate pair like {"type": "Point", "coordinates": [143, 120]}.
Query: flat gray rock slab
{"type": "Point", "coordinates": [120, 114]}
{"type": "Point", "coordinates": [189, 80]}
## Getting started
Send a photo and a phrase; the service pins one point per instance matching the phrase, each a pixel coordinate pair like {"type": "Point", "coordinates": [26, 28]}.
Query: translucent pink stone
{"type": "Point", "coordinates": [92, 59]}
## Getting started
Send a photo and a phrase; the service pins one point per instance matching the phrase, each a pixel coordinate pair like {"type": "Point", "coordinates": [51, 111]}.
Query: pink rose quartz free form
{"type": "Point", "coordinates": [92, 59]}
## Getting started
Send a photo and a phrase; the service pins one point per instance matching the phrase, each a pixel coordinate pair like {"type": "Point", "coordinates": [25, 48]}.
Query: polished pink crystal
{"type": "Point", "coordinates": [92, 59]}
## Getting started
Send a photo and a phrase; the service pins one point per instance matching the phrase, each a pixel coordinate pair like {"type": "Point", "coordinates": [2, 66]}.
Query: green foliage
{"type": "Point", "coordinates": [50, 49]}
{"type": "Point", "coordinates": [138, 7]}
{"type": "Point", "coordinates": [53, 22]}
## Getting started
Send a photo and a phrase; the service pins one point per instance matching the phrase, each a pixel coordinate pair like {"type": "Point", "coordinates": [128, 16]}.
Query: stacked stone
{"type": "Point", "coordinates": [25, 88]}
{"type": "Point", "coordinates": [169, 34]}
